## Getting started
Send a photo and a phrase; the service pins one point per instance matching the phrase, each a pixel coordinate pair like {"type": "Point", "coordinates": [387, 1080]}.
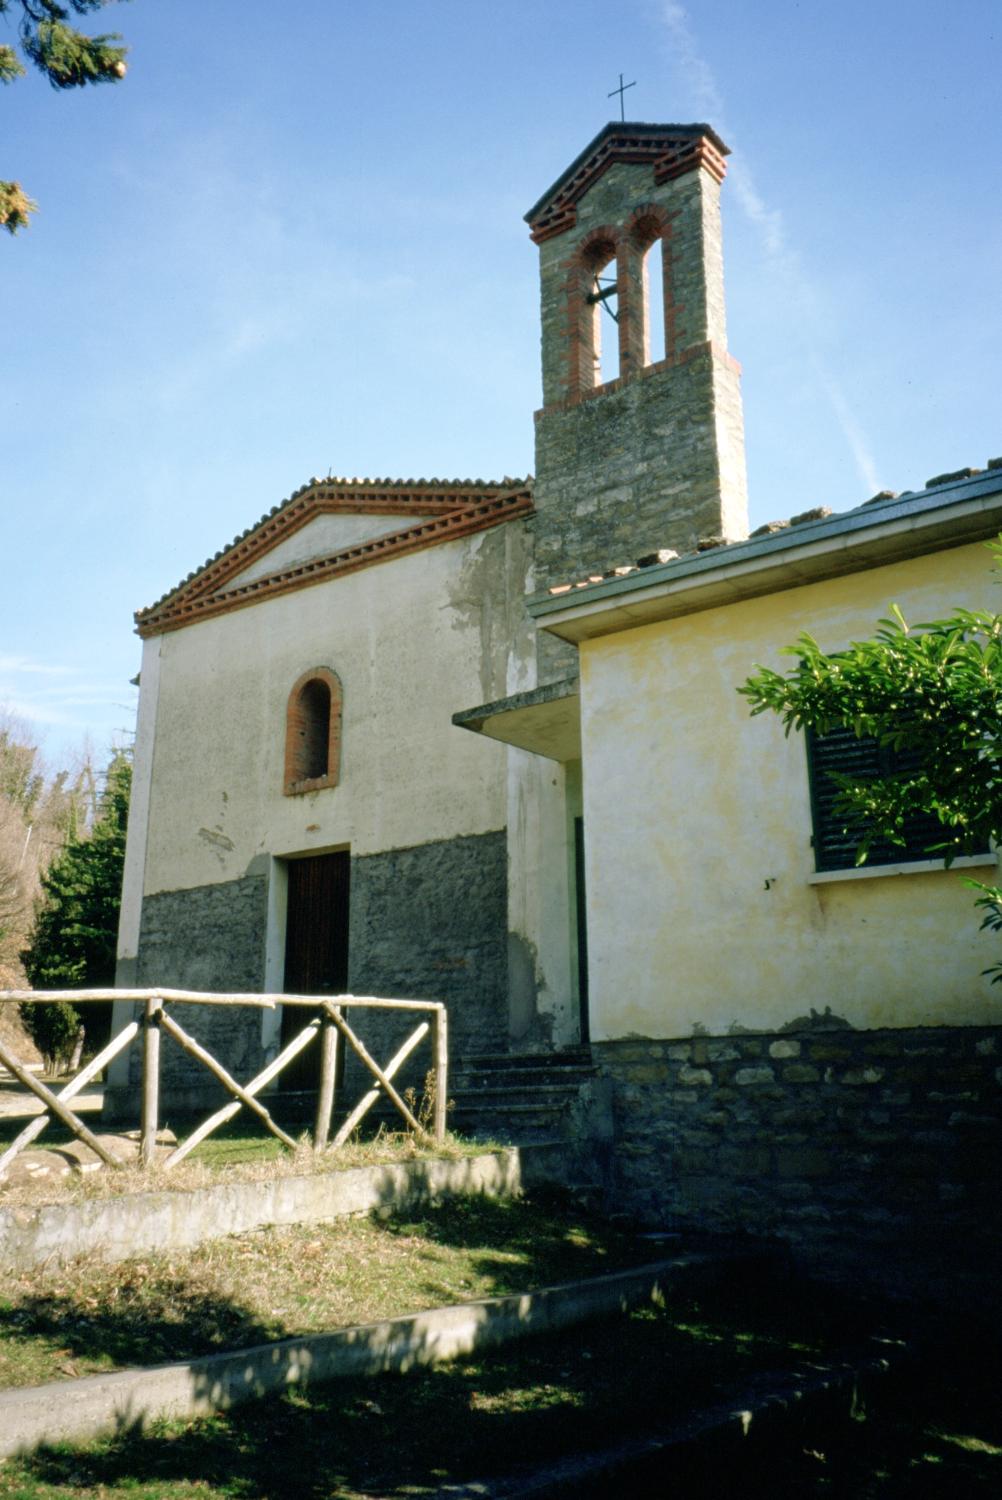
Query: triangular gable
{"type": "Point", "coordinates": [672, 151]}
{"type": "Point", "coordinates": [272, 557]}
{"type": "Point", "coordinates": [322, 536]}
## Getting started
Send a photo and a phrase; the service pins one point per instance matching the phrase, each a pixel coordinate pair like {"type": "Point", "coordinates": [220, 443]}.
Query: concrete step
{"type": "Point", "coordinates": [525, 1098]}
{"type": "Point", "coordinates": [36, 1068]}
{"type": "Point", "coordinates": [467, 1080]}
{"type": "Point", "coordinates": [509, 1110]}
{"type": "Point", "coordinates": [493, 1093]}
{"type": "Point", "coordinates": [513, 1062]}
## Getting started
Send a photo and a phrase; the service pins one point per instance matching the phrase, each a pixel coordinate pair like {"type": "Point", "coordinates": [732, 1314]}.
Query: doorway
{"type": "Point", "coordinates": [581, 913]}
{"type": "Point", "coordinates": [316, 949]}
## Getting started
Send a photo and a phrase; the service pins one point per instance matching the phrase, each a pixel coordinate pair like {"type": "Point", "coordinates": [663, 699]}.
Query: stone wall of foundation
{"type": "Point", "coordinates": [874, 1155]}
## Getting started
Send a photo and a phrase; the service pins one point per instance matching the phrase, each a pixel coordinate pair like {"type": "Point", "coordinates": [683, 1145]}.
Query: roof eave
{"type": "Point", "coordinates": [908, 526]}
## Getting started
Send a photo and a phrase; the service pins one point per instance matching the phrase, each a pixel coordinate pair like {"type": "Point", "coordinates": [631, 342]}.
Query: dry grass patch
{"type": "Point", "coordinates": [86, 1317]}
{"type": "Point", "coordinates": [242, 1155]}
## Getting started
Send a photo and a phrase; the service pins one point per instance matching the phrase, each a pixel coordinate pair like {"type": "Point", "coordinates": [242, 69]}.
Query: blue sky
{"type": "Point", "coordinates": [291, 243]}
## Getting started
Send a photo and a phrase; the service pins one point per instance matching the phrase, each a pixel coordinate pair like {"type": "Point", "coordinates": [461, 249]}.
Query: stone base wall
{"type": "Point", "coordinates": [211, 937]}
{"type": "Point", "coordinates": [875, 1156]}
{"type": "Point", "coordinates": [427, 923]}
{"type": "Point", "coordinates": [430, 923]}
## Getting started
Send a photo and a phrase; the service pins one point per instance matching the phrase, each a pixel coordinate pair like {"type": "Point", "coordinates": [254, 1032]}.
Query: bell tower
{"type": "Point", "coordinates": [645, 450]}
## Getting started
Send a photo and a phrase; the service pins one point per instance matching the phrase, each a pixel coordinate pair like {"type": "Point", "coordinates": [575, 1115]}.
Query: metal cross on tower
{"type": "Point", "coordinates": [621, 91]}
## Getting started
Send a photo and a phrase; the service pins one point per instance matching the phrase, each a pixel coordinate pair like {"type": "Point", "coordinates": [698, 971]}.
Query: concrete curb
{"type": "Point", "coordinates": [97, 1405]}
{"type": "Point", "coordinates": [762, 1409]}
{"type": "Point", "coordinates": [142, 1223]}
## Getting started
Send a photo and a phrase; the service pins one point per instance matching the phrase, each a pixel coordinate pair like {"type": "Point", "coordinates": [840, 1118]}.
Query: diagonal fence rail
{"type": "Point", "coordinates": [327, 1026]}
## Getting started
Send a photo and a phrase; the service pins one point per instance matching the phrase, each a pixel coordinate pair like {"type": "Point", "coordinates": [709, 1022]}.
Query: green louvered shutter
{"type": "Point", "coordinates": [841, 753]}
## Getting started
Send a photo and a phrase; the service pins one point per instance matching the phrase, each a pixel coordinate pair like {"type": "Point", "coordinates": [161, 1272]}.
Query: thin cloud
{"type": "Point", "coordinates": [24, 665]}
{"type": "Point", "coordinates": [851, 430]}
{"type": "Point", "coordinates": [768, 223]}
{"type": "Point", "coordinates": [702, 83]}
{"type": "Point", "coordinates": [55, 695]}
{"type": "Point", "coordinates": [35, 713]}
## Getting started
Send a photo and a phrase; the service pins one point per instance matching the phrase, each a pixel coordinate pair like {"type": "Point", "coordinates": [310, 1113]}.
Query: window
{"type": "Point", "coordinates": [313, 732]}
{"type": "Point", "coordinates": [836, 842]}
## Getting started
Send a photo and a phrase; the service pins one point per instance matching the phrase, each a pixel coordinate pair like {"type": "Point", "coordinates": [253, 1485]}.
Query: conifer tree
{"type": "Point", "coordinates": [74, 939]}
{"type": "Point", "coordinates": [69, 59]}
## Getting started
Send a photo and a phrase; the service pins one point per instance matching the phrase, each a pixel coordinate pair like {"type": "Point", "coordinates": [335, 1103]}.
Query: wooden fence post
{"type": "Point", "coordinates": [441, 1072]}
{"type": "Point", "coordinates": [328, 1082]}
{"type": "Point", "coordinates": [151, 1082]}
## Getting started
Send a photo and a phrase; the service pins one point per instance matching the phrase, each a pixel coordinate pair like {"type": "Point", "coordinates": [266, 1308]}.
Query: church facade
{"type": "Point", "coordinates": [295, 750]}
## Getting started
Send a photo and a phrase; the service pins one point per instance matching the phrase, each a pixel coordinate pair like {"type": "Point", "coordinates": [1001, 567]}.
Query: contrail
{"type": "Point", "coordinates": [768, 223]}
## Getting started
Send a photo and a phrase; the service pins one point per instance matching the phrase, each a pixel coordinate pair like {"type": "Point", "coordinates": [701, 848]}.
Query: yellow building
{"type": "Point", "coordinates": [793, 1046]}
{"type": "Point", "coordinates": [699, 817]}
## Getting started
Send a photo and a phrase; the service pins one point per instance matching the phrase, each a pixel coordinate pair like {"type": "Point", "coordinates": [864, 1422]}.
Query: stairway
{"type": "Point", "coordinates": [554, 1103]}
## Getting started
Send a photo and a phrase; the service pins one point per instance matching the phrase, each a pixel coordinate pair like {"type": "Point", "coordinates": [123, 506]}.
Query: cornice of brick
{"type": "Point", "coordinates": [328, 497]}
{"type": "Point", "coordinates": [206, 596]}
{"type": "Point", "coordinates": [672, 150]}
{"type": "Point", "coordinates": [645, 372]}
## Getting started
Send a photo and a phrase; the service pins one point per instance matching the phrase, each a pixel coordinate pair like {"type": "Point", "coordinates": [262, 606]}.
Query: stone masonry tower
{"type": "Point", "coordinates": [652, 456]}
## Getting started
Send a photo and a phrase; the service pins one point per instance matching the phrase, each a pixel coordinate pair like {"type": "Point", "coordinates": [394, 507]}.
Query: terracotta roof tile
{"type": "Point", "coordinates": [805, 518]}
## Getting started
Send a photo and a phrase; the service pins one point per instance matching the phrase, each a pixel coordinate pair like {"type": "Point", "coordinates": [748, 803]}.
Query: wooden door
{"type": "Point", "coordinates": [316, 948]}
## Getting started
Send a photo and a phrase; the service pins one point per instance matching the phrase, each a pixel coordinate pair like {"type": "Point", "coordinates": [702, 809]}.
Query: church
{"type": "Point", "coordinates": [480, 741]}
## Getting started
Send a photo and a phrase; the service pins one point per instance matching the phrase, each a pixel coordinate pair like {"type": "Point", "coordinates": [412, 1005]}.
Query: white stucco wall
{"type": "Point", "coordinates": [413, 640]}
{"type": "Point", "coordinates": [701, 910]}
{"type": "Point", "coordinates": [139, 802]}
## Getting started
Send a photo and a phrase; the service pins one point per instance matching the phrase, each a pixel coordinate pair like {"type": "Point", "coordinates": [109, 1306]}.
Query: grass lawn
{"type": "Point", "coordinates": [87, 1317]}
{"type": "Point", "coordinates": [936, 1435]}
{"type": "Point", "coordinates": [410, 1435]}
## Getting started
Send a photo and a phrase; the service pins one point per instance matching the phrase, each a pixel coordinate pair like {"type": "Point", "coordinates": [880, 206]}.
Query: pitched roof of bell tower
{"type": "Point", "coordinates": [672, 150]}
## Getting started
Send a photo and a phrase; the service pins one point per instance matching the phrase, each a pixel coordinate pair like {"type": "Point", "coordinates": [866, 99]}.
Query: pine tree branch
{"type": "Point", "coordinates": [15, 206]}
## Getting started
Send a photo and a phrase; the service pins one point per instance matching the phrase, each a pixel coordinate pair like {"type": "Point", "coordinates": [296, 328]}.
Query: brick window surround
{"type": "Point", "coordinates": [313, 732]}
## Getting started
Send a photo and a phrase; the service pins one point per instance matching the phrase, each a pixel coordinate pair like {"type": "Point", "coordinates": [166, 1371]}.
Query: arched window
{"type": "Point", "coordinates": [313, 732]}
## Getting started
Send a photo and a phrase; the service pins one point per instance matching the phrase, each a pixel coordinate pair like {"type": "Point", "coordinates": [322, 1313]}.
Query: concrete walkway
{"type": "Point", "coordinates": [16, 1102]}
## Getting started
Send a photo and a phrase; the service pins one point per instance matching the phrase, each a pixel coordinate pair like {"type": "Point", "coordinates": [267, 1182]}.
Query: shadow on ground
{"type": "Point", "coordinates": [178, 1323]}
{"type": "Point", "coordinates": [932, 1440]}
{"type": "Point", "coordinates": [521, 1407]}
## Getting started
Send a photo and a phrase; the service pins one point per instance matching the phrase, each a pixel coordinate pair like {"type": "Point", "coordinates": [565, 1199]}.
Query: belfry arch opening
{"type": "Point", "coordinates": [655, 342]}
{"type": "Point", "coordinates": [602, 298]}
{"type": "Point", "coordinates": [649, 333]}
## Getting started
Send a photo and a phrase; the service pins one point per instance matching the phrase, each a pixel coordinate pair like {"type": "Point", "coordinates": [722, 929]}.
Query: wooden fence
{"type": "Point", "coordinates": [326, 1026]}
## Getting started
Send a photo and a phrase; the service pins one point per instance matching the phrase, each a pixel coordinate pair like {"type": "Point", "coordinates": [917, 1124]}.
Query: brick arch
{"type": "Point", "coordinates": [648, 224]}
{"type": "Point", "coordinates": [313, 732]}
{"type": "Point", "coordinates": [598, 247]}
